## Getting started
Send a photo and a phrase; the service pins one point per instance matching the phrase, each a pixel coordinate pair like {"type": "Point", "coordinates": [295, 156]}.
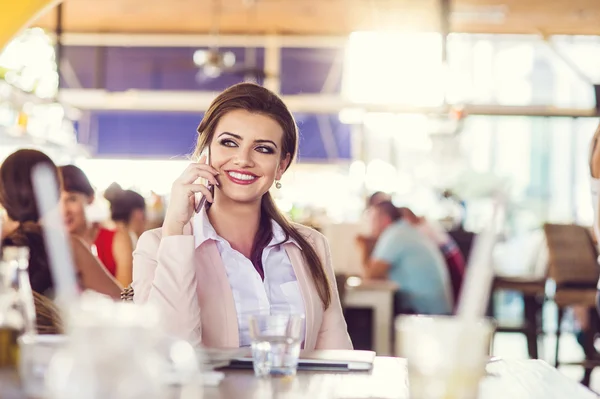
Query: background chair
{"type": "Point", "coordinates": [574, 269]}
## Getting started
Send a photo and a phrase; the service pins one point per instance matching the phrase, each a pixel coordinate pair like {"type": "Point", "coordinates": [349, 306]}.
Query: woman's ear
{"type": "Point", "coordinates": [90, 199]}
{"type": "Point", "coordinates": [283, 165]}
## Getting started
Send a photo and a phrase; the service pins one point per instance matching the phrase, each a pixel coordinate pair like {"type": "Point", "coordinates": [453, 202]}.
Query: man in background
{"type": "Point", "coordinates": [410, 259]}
{"type": "Point", "coordinates": [455, 261]}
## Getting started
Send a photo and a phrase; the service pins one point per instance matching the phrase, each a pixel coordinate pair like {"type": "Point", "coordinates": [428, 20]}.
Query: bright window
{"type": "Point", "coordinates": [393, 68]}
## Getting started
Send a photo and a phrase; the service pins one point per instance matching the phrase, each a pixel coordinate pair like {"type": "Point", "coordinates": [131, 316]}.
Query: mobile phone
{"type": "Point", "coordinates": [200, 198]}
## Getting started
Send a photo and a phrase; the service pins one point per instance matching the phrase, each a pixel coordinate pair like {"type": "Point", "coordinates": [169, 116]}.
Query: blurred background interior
{"type": "Point", "coordinates": [438, 103]}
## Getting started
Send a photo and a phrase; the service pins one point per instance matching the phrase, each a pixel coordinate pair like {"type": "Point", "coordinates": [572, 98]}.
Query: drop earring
{"type": "Point", "coordinates": [277, 185]}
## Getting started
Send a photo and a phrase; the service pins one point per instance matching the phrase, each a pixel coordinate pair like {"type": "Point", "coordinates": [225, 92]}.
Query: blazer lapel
{"type": "Point", "coordinates": [295, 256]}
{"type": "Point", "coordinates": [220, 304]}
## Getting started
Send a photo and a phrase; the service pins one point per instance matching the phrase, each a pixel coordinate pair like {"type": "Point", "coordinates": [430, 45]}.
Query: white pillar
{"type": "Point", "coordinates": [273, 64]}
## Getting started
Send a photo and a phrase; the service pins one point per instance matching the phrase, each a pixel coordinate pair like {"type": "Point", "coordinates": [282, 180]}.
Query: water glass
{"type": "Point", "coordinates": [446, 355]}
{"type": "Point", "coordinates": [111, 353]}
{"type": "Point", "coordinates": [276, 343]}
{"type": "Point", "coordinates": [36, 352]}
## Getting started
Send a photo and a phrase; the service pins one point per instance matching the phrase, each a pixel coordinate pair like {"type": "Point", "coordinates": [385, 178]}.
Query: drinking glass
{"type": "Point", "coordinates": [276, 343]}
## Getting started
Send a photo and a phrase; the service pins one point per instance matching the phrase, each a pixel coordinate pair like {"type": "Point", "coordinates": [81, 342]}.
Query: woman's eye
{"type": "Point", "coordinates": [265, 150]}
{"type": "Point", "coordinates": [228, 143]}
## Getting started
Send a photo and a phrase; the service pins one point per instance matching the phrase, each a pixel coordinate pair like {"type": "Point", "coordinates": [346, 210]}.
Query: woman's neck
{"type": "Point", "coordinates": [237, 223]}
{"type": "Point", "coordinates": [90, 234]}
{"type": "Point", "coordinates": [121, 226]}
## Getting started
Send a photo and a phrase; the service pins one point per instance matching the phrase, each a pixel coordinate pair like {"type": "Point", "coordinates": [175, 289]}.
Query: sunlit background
{"type": "Point", "coordinates": [411, 153]}
{"type": "Point", "coordinates": [441, 108]}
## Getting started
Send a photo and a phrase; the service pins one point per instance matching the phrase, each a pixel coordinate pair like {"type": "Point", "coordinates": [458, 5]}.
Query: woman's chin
{"type": "Point", "coordinates": [242, 196]}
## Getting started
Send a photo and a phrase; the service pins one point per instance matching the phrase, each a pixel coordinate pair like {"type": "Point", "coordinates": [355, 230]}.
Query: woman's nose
{"type": "Point", "coordinates": [243, 158]}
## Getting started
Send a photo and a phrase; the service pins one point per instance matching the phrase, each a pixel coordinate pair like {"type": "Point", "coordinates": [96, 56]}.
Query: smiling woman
{"type": "Point", "coordinates": [238, 256]}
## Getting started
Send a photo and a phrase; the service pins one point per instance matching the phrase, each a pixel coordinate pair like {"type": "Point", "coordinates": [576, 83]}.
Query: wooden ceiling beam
{"type": "Point", "coordinates": [327, 17]}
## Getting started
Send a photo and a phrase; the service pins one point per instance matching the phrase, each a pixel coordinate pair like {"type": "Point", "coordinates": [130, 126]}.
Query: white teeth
{"type": "Point", "coordinates": [241, 176]}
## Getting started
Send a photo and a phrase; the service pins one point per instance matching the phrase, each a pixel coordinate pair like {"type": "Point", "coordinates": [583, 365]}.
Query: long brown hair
{"type": "Point", "coordinates": [74, 180]}
{"type": "Point", "coordinates": [17, 198]}
{"type": "Point", "coordinates": [123, 203]}
{"type": "Point", "coordinates": [256, 99]}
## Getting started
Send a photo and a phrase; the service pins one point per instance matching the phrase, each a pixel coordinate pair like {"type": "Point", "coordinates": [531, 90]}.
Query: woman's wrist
{"type": "Point", "coordinates": [170, 229]}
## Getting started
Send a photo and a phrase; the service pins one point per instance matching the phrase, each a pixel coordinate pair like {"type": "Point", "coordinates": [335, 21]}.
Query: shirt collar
{"type": "Point", "coordinates": [204, 231]}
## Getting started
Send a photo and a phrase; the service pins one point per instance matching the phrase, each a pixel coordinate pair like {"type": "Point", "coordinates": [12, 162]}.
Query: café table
{"type": "Point", "coordinates": [507, 379]}
{"type": "Point", "coordinates": [527, 379]}
{"type": "Point", "coordinates": [379, 296]}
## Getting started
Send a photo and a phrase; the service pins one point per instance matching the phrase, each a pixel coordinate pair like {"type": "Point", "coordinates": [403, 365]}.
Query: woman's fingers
{"type": "Point", "coordinates": [193, 172]}
{"type": "Point", "coordinates": [200, 188]}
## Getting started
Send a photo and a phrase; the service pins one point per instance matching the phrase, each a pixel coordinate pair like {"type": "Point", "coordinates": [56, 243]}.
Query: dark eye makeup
{"type": "Point", "coordinates": [264, 149]}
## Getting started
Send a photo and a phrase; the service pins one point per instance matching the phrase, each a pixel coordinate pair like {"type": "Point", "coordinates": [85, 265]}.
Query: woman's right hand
{"type": "Point", "coordinates": [182, 201]}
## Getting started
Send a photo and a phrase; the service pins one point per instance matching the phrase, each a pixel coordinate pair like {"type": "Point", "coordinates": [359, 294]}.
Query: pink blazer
{"type": "Point", "coordinates": [190, 289]}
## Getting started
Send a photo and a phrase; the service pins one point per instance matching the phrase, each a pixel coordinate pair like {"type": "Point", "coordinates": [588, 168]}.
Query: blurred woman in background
{"type": "Point", "coordinates": [17, 198]}
{"type": "Point", "coordinates": [114, 251]}
{"type": "Point", "coordinates": [128, 212]}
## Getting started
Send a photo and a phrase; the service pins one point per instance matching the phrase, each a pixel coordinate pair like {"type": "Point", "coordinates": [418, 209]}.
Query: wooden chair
{"type": "Point", "coordinates": [532, 290]}
{"type": "Point", "coordinates": [574, 269]}
{"type": "Point", "coordinates": [531, 285]}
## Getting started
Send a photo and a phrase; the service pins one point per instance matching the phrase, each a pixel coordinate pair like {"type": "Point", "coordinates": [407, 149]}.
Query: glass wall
{"type": "Point", "coordinates": [544, 161]}
{"type": "Point", "coordinates": [541, 161]}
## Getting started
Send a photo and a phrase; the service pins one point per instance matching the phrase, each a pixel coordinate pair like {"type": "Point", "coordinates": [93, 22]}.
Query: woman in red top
{"type": "Point", "coordinates": [24, 228]}
{"type": "Point", "coordinates": [112, 248]}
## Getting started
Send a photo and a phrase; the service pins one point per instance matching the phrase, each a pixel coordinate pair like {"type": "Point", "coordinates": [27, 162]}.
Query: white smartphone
{"type": "Point", "coordinates": [200, 199]}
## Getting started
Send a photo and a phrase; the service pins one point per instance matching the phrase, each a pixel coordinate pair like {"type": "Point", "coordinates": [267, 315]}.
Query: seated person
{"type": "Point", "coordinates": [455, 262]}
{"type": "Point", "coordinates": [366, 243]}
{"type": "Point", "coordinates": [128, 212]}
{"type": "Point", "coordinates": [377, 198]}
{"type": "Point", "coordinates": [410, 259]}
{"type": "Point", "coordinates": [113, 248]}
{"type": "Point", "coordinates": [17, 198]}
{"type": "Point", "coordinates": [232, 254]}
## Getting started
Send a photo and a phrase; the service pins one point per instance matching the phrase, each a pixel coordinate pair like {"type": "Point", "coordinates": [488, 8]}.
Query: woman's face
{"type": "Point", "coordinates": [137, 221]}
{"type": "Point", "coordinates": [73, 210]}
{"type": "Point", "coordinates": [246, 150]}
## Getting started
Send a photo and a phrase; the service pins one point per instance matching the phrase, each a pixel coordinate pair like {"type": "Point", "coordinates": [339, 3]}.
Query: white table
{"type": "Point", "coordinates": [527, 379]}
{"type": "Point", "coordinates": [379, 296]}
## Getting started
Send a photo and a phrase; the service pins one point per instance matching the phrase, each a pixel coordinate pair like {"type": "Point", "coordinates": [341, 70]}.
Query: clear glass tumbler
{"type": "Point", "coordinates": [276, 343]}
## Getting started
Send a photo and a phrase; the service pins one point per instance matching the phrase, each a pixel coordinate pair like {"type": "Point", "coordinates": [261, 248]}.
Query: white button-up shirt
{"type": "Point", "coordinates": [278, 293]}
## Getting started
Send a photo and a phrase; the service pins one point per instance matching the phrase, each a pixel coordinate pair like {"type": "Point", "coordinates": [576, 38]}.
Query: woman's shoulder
{"type": "Point", "coordinates": [78, 243]}
{"type": "Point", "coordinates": [311, 235]}
{"type": "Point", "coordinates": [150, 238]}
